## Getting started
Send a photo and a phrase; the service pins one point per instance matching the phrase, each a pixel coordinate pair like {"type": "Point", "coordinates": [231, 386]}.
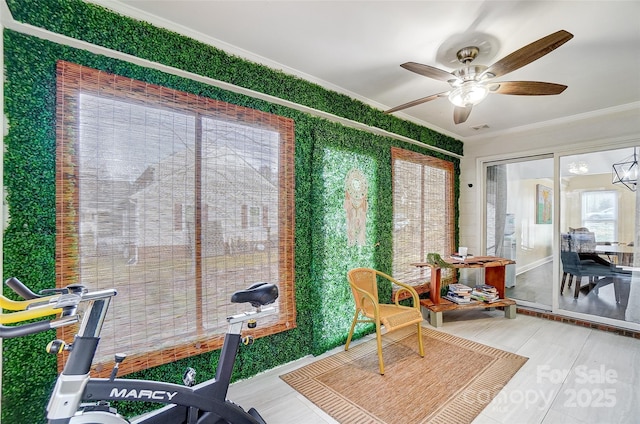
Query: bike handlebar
{"type": "Point", "coordinates": [35, 327]}
{"type": "Point", "coordinates": [20, 289]}
{"type": "Point", "coordinates": [66, 300]}
{"type": "Point", "coordinates": [30, 298]}
{"type": "Point", "coordinates": [29, 314]}
{"type": "Point", "coordinates": [64, 303]}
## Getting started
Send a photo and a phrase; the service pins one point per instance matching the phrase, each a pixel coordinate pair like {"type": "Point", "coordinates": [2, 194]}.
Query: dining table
{"type": "Point", "coordinates": [622, 253]}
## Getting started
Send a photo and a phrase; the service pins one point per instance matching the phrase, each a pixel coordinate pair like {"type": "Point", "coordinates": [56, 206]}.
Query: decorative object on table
{"type": "Point", "coordinates": [453, 383]}
{"type": "Point", "coordinates": [544, 204]}
{"type": "Point", "coordinates": [355, 205]}
{"type": "Point", "coordinates": [462, 254]}
{"type": "Point", "coordinates": [436, 260]}
{"type": "Point", "coordinates": [364, 286]}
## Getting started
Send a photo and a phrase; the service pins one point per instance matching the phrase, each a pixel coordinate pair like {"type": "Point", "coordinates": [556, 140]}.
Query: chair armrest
{"type": "Point", "coordinates": [366, 296]}
{"type": "Point", "coordinates": [411, 290]}
{"type": "Point", "coordinates": [404, 287]}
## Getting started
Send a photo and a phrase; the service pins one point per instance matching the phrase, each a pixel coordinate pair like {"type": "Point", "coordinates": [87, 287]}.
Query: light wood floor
{"type": "Point", "coordinates": [574, 375]}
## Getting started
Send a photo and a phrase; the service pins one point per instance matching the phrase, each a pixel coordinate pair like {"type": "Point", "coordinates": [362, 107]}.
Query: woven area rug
{"type": "Point", "coordinates": [453, 383]}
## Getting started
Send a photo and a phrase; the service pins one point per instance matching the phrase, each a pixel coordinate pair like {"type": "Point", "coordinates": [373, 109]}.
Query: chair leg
{"type": "Point", "coordinates": [353, 326]}
{"type": "Point", "coordinates": [379, 340]}
{"type": "Point", "coordinates": [564, 278]}
{"type": "Point", "coordinates": [420, 344]}
{"type": "Point", "coordinates": [576, 289]}
{"type": "Point", "coordinates": [617, 288]}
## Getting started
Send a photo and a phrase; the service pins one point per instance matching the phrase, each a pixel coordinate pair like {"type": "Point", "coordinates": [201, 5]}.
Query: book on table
{"type": "Point", "coordinates": [460, 300]}
{"type": "Point", "coordinates": [459, 288]}
{"type": "Point", "coordinates": [459, 293]}
{"type": "Point", "coordinates": [486, 288]}
{"type": "Point", "coordinates": [484, 297]}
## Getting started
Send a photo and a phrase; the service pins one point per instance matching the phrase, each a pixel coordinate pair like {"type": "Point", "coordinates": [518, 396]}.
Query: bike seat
{"type": "Point", "coordinates": [257, 294]}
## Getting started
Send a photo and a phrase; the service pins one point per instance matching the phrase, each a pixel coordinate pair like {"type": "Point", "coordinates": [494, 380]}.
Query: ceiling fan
{"type": "Point", "coordinates": [470, 84]}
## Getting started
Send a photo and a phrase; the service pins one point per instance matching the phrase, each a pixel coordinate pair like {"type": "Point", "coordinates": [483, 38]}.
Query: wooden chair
{"type": "Point", "coordinates": [364, 286]}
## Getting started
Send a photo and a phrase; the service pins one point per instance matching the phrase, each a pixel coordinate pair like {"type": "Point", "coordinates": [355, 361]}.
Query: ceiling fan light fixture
{"type": "Point", "coordinates": [469, 93]}
{"type": "Point", "coordinates": [470, 84]}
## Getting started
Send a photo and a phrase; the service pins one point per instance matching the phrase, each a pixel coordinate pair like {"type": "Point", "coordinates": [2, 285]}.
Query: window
{"type": "Point", "coordinates": [600, 214]}
{"type": "Point", "coordinates": [423, 212]}
{"type": "Point", "coordinates": [254, 216]}
{"type": "Point", "coordinates": [153, 192]}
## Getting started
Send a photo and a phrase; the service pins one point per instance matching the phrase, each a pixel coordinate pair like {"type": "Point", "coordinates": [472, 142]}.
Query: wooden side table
{"type": "Point", "coordinates": [494, 268]}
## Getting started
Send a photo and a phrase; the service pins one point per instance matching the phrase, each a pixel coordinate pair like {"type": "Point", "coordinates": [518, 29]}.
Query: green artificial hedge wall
{"type": "Point", "coordinates": [324, 152]}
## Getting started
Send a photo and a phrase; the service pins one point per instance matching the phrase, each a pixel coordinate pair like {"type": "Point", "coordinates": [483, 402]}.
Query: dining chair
{"type": "Point", "coordinates": [574, 267]}
{"type": "Point", "coordinates": [364, 287]}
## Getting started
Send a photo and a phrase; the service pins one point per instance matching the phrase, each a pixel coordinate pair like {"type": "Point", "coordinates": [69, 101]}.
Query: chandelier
{"type": "Point", "coordinates": [578, 168]}
{"type": "Point", "coordinates": [626, 172]}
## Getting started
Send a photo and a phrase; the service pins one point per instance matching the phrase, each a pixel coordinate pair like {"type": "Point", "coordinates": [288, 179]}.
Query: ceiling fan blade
{"type": "Point", "coordinates": [526, 88]}
{"type": "Point", "coordinates": [460, 114]}
{"type": "Point", "coordinates": [416, 102]}
{"type": "Point", "coordinates": [528, 53]}
{"type": "Point", "coordinates": [429, 71]}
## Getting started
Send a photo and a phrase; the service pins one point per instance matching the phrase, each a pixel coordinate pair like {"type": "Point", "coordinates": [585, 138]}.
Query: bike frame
{"type": "Point", "coordinates": [201, 404]}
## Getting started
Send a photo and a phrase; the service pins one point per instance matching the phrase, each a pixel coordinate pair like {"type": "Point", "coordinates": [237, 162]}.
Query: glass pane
{"type": "Point", "coordinates": [422, 213]}
{"type": "Point", "coordinates": [134, 164]}
{"type": "Point", "coordinates": [240, 228]}
{"type": "Point", "coordinates": [600, 214]}
{"type": "Point", "coordinates": [598, 227]}
{"type": "Point", "coordinates": [519, 226]}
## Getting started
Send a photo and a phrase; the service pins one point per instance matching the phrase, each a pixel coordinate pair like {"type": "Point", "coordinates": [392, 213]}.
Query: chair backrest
{"type": "Point", "coordinates": [364, 279]}
{"type": "Point", "coordinates": [570, 262]}
{"type": "Point", "coordinates": [581, 240]}
{"type": "Point", "coordinates": [573, 264]}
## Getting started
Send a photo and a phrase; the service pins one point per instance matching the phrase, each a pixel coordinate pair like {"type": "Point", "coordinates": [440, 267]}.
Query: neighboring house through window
{"type": "Point", "coordinates": [151, 181]}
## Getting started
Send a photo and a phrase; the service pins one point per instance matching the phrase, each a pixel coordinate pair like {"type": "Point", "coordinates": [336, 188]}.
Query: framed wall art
{"type": "Point", "coordinates": [544, 204]}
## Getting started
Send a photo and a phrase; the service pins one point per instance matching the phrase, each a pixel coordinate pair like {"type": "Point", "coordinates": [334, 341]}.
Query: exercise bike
{"type": "Point", "coordinates": [204, 403]}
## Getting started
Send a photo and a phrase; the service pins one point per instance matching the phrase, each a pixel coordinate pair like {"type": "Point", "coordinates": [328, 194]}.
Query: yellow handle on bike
{"type": "Point", "coordinates": [38, 312]}
{"type": "Point", "coordinates": [21, 305]}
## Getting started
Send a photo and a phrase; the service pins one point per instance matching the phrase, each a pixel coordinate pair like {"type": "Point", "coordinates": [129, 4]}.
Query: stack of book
{"type": "Point", "coordinates": [485, 293]}
{"type": "Point", "coordinates": [459, 293]}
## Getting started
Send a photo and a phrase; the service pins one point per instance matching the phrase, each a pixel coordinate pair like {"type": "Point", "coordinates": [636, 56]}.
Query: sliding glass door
{"type": "Point", "coordinates": [589, 226]}
{"type": "Point", "coordinates": [519, 225]}
{"type": "Point", "coordinates": [598, 226]}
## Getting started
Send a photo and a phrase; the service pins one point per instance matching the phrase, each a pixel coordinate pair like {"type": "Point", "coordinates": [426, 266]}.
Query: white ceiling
{"type": "Point", "coordinates": [356, 47]}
